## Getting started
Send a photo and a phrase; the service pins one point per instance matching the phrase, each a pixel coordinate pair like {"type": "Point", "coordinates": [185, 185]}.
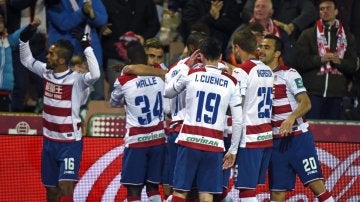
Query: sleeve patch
{"type": "Point", "coordinates": [299, 83]}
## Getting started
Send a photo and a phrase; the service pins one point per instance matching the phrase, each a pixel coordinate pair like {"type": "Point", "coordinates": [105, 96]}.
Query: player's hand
{"type": "Point", "coordinates": [28, 32]}
{"type": "Point", "coordinates": [229, 160]}
{"type": "Point", "coordinates": [286, 126]}
{"type": "Point", "coordinates": [79, 34]}
{"type": "Point", "coordinates": [193, 59]}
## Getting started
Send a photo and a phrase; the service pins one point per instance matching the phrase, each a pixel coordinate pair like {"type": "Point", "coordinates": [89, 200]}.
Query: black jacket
{"type": "Point", "coordinates": [309, 63]}
{"type": "Point", "coordinates": [139, 16]}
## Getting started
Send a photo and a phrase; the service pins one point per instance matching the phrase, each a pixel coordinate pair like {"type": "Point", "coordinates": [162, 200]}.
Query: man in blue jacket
{"type": "Point", "coordinates": [69, 16]}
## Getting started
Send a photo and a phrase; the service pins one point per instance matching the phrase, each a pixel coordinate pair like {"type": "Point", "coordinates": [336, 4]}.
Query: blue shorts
{"type": "Point", "coordinates": [172, 154]}
{"type": "Point", "coordinates": [250, 167]}
{"type": "Point", "coordinates": [140, 165]}
{"type": "Point", "coordinates": [291, 156]}
{"type": "Point", "coordinates": [60, 161]}
{"type": "Point", "coordinates": [200, 167]}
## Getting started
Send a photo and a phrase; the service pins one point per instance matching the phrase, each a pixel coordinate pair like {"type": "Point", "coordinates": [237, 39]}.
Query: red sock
{"type": "Point", "coordinates": [52, 200]}
{"type": "Point", "coordinates": [66, 199]}
{"type": "Point", "coordinates": [324, 196]}
{"type": "Point", "coordinates": [177, 199]}
{"type": "Point", "coordinates": [133, 198]}
{"type": "Point", "coordinates": [247, 193]}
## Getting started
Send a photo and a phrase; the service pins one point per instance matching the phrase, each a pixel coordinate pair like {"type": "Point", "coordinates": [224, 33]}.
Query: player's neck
{"type": "Point", "coordinates": [247, 57]}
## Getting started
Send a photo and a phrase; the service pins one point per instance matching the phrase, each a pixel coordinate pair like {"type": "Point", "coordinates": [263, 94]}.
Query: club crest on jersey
{"type": "Point", "coordinates": [299, 83]}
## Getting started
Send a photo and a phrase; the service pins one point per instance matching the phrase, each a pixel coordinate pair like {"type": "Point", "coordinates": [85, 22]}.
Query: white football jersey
{"type": "Point", "coordinates": [63, 96]}
{"type": "Point", "coordinates": [209, 93]}
{"type": "Point", "coordinates": [288, 83]}
{"type": "Point", "coordinates": [256, 82]}
{"type": "Point", "coordinates": [143, 99]}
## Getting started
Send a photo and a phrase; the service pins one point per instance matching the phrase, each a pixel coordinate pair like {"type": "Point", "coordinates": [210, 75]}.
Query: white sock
{"type": "Point", "coordinates": [228, 198]}
{"type": "Point", "coordinates": [155, 198]}
{"type": "Point", "coordinates": [249, 199]}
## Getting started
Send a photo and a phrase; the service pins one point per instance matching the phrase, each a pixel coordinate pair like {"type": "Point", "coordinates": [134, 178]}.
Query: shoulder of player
{"type": "Point", "coordinates": [123, 79]}
{"type": "Point", "coordinates": [247, 66]}
{"type": "Point", "coordinates": [233, 79]}
{"type": "Point", "coordinates": [283, 69]}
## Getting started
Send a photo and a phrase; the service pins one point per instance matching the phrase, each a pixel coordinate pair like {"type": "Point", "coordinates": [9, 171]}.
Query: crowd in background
{"type": "Point", "coordinates": [112, 24]}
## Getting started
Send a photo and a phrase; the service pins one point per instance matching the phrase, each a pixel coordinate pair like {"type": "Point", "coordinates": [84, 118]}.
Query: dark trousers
{"type": "Point", "coordinates": [324, 107]}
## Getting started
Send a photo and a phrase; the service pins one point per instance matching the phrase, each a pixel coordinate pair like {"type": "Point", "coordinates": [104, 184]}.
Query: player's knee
{"type": "Point", "coordinates": [205, 197]}
{"type": "Point", "coordinates": [66, 187]}
{"type": "Point", "coordinates": [134, 190]}
{"type": "Point", "coordinates": [278, 196]}
{"type": "Point", "coordinates": [52, 193]}
{"type": "Point", "coordinates": [150, 187]}
{"type": "Point", "coordinates": [317, 187]}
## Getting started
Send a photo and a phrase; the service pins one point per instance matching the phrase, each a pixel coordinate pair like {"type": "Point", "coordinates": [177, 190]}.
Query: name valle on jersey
{"type": "Point", "coordinates": [146, 82]}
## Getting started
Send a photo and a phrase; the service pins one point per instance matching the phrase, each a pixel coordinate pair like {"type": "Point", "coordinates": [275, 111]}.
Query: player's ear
{"type": "Point", "coordinates": [62, 61]}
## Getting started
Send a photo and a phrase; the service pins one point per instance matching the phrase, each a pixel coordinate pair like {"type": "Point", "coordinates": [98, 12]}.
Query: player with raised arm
{"type": "Point", "coordinates": [201, 145]}
{"type": "Point", "coordinates": [294, 150]}
{"type": "Point", "coordinates": [62, 142]}
{"type": "Point", "coordinates": [256, 84]}
{"type": "Point", "coordinates": [142, 97]}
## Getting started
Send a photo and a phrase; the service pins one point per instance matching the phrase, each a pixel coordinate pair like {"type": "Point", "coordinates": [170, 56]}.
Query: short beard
{"type": "Point", "coordinates": [48, 66]}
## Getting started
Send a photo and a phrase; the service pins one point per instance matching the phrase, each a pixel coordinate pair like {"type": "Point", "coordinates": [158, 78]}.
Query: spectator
{"type": "Point", "coordinates": [20, 13]}
{"type": "Point", "coordinates": [262, 14]}
{"type": "Point", "coordinates": [64, 90]}
{"type": "Point", "coordinates": [9, 42]}
{"type": "Point", "coordinates": [291, 15]}
{"type": "Point", "coordinates": [326, 55]}
{"type": "Point", "coordinates": [137, 16]}
{"type": "Point", "coordinates": [221, 18]}
{"type": "Point", "coordinates": [70, 15]}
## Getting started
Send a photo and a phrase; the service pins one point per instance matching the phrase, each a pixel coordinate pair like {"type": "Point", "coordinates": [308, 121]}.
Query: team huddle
{"type": "Point", "coordinates": [248, 118]}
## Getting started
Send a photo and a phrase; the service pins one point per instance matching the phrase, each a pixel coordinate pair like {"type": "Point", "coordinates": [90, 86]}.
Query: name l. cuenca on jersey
{"type": "Point", "coordinates": [209, 93]}
{"type": "Point", "coordinates": [63, 96]}
{"type": "Point", "coordinates": [256, 84]}
{"type": "Point", "coordinates": [288, 83]}
{"type": "Point", "coordinates": [143, 98]}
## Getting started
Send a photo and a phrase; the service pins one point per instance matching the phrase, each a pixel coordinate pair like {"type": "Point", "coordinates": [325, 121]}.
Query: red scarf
{"type": "Point", "coordinates": [324, 47]}
{"type": "Point", "coordinates": [270, 27]}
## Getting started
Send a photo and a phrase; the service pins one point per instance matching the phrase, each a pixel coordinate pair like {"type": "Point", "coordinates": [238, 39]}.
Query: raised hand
{"type": "Point", "coordinates": [88, 9]}
{"type": "Point", "coordinates": [79, 34]}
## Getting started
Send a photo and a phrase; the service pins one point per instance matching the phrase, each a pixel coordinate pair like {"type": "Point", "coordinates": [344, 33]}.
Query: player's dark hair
{"type": "Point", "coordinates": [245, 40]}
{"type": "Point", "coordinates": [65, 49]}
{"type": "Point", "coordinates": [210, 48]}
{"type": "Point", "coordinates": [278, 43]}
{"type": "Point", "coordinates": [194, 40]}
{"type": "Point", "coordinates": [136, 53]}
{"type": "Point", "coordinates": [333, 1]}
